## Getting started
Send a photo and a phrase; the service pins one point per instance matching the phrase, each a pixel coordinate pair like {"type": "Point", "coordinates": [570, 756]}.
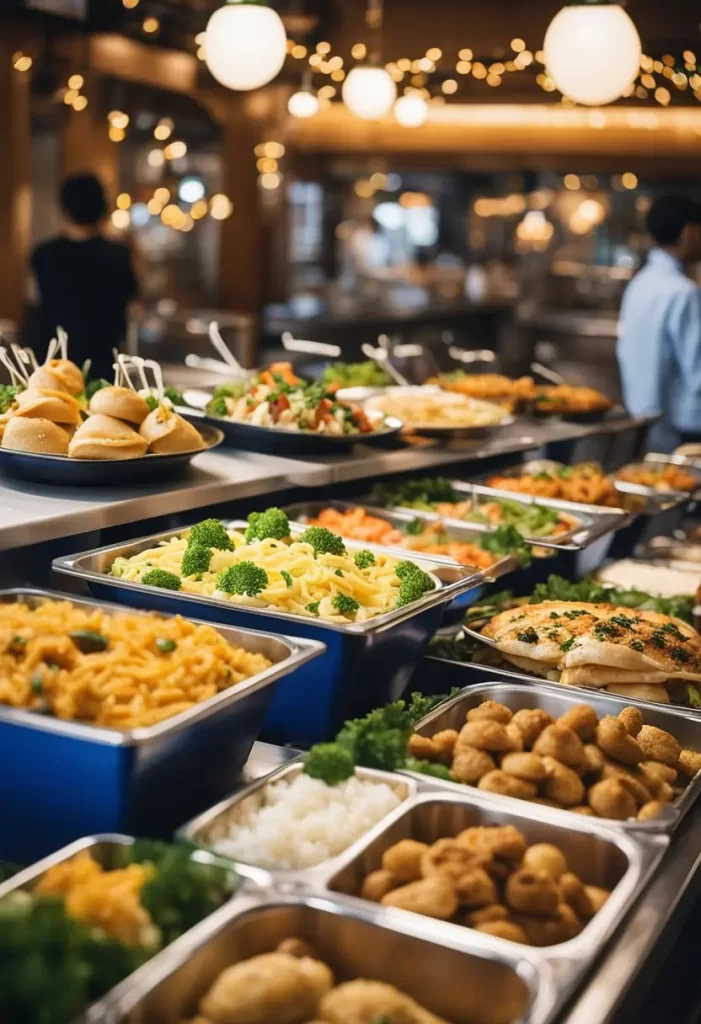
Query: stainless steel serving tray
{"type": "Point", "coordinates": [80, 778]}
{"type": "Point", "coordinates": [645, 501]}
{"type": "Point", "coordinates": [556, 700]}
{"type": "Point", "coordinates": [601, 855]}
{"type": "Point", "coordinates": [93, 568]}
{"type": "Point", "coordinates": [691, 465]}
{"type": "Point", "coordinates": [593, 521]}
{"type": "Point", "coordinates": [460, 532]}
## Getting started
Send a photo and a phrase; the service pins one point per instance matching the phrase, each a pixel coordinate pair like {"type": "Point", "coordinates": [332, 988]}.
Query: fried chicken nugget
{"type": "Point", "coordinates": [470, 764]}
{"type": "Point", "coordinates": [594, 758]}
{"type": "Point", "coordinates": [546, 859]}
{"type": "Point", "coordinates": [597, 896]}
{"type": "Point", "coordinates": [632, 718]}
{"type": "Point", "coordinates": [504, 930]}
{"type": "Point", "coordinates": [516, 737]}
{"type": "Point", "coordinates": [581, 719]}
{"type": "Point", "coordinates": [689, 763]}
{"type": "Point", "coordinates": [507, 785]}
{"type": "Point", "coordinates": [445, 740]}
{"type": "Point", "coordinates": [635, 784]}
{"type": "Point", "coordinates": [658, 745]}
{"type": "Point", "coordinates": [487, 915]}
{"type": "Point", "coordinates": [464, 869]}
{"type": "Point", "coordinates": [296, 947]}
{"type": "Point", "coordinates": [502, 841]}
{"type": "Point", "coordinates": [377, 884]}
{"type": "Point", "coordinates": [530, 892]}
{"type": "Point", "coordinates": [525, 766]}
{"type": "Point", "coordinates": [530, 722]}
{"type": "Point", "coordinates": [573, 893]}
{"type": "Point", "coordinates": [582, 809]}
{"type": "Point", "coordinates": [653, 774]}
{"type": "Point", "coordinates": [433, 897]}
{"type": "Point", "coordinates": [485, 735]}
{"type": "Point", "coordinates": [610, 799]}
{"type": "Point", "coordinates": [563, 744]}
{"type": "Point", "coordinates": [424, 748]}
{"type": "Point", "coordinates": [613, 738]}
{"type": "Point", "coordinates": [403, 860]}
{"type": "Point", "coordinates": [650, 810]}
{"type": "Point", "coordinates": [561, 926]}
{"type": "Point", "coordinates": [491, 710]}
{"type": "Point", "coordinates": [562, 784]}
{"type": "Point", "coordinates": [362, 1001]}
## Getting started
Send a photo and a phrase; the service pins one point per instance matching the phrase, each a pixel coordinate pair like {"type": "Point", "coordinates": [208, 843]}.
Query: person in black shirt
{"type": "Point", "coordinates": [85, 281]}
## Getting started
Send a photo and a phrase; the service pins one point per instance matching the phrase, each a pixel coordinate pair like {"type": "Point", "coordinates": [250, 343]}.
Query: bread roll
{"type": "Point", "coordinates": [122, 403]}
{"type": "Point", "coordinates": [59, 375]}
{"type": "Point", "coordinates": [167, 433]}
{"type": "Point", "coordinates": [24, 434]}
{"type": "Point", "coordinates": [48, 404]}
{"type": "Point", "coordinates": [104, 437]}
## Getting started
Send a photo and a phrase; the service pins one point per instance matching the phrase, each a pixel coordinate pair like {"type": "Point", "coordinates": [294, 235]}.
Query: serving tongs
{"type": "Point", "coordinates": [228, 357]}
{"type": "Point", "coordinates": [381, 356]}
{"type": "Point", "coordinates": [312, 348]}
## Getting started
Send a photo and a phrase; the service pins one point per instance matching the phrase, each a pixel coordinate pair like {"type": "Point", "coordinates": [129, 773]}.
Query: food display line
{"type": "Point", "coordinates": [36, 513]}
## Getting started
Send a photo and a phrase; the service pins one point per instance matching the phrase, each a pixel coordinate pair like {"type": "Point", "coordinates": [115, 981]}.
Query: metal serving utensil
{"type": "Point", "coordinates": [314, 348]}
{"type": "Point", "coordinates": [224, 351]}
{"type": "Point", "coordinates": [380, 355]}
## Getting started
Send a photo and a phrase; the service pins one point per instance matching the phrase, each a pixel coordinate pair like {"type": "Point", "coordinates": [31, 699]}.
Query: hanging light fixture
{"type": "Point", "coordinates": [245, 44]}
{"type": "Point", "coordinates": [369, 90]}
{"type": "Point", "coordinates": [411, 110]}
{"type": "Point", "coordinates": [592, 51]}
{"type": "Point", "coordinates": [304, 103]}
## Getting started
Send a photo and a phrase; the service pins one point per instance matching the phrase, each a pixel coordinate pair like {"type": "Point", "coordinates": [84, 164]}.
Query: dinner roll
{"type": "Point", "coordinates": [45, 437]}
{"type": "Point", "coordinates": [121, 403]}
{"type": "Point", "coordinates": [48, 404]}
{"type": "Point", "coordinates": [104, 437]}
{"type": "Point", "coordinates": [59, 375]}
{"type": "Point", "coordinates": [167, 433]}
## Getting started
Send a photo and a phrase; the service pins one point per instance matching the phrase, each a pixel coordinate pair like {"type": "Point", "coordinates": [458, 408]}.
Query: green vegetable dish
{"type": "Point", "coordinates": [356, 375]}
{"type": "Point", "coordinates": [268, 564]}
{"type": "Point", "coordinates": [55, 961]}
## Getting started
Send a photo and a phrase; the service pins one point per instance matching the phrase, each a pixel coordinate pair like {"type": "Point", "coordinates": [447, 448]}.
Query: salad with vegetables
{"type": "Point", "coordinates": [355, 375]}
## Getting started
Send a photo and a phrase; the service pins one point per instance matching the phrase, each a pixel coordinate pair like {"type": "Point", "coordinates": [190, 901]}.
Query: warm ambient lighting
{"type": "Point", "coordinates": [163, 130]}
{"type": "Point", "coordinates": [592, 52]}
{"type": "Point", "coordinates": [151, 25]}
{"type": "Point", "coordinates": [220, 207]}
{"type": "Point", "coordinates": [411, 111]}
{"type": "Point", "coordinates": [155, 158]}
{"type": "Point", "coordinates": [245, 45]}
{"type": "Point", "coordinates": [121, 219]}
{"type": "Point", "coordinates": [629, 180]}
{"type": "Point", "coordinates": [175, 151]}
{"type": "Point", "coordinates": [116, 134]}
{"type": "Point", "coordinates": [76, 82]}
{"type": "Point", "coordinates": [303, 104]}
{"type": "Point", "coordinates": [21, 62]}
{"type": "Point", "coordinates": [123, 201]}
{"type": "Point", "coordinates": [369, 92]}
{"type": "Point", "coordinates": [80, 103]}
{"type": "Point", "coordinates": [118, 119]}
{"type": "Point", "coordinates": [130, 4]}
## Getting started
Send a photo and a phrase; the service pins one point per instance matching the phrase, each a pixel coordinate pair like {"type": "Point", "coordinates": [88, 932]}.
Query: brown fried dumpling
{"type": "Point", "coordinates": [167, 433]}
{"type": "Point", "coordinates": [28, 434]}
{"type": "Point", "coordinates": [48, 404]}
{"type": "Point", "coordinates": [58, 375]}
{"type": "Point", "coordinates": [104, 437]}
{"type": "Point", "coordinates": [122, 403]}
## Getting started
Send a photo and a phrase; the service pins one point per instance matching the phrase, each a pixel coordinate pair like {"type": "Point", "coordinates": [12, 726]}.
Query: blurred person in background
{"type": "Point", "coordinates": [85, 281]}
{"type": "Point", "coordinates": [659, 334]}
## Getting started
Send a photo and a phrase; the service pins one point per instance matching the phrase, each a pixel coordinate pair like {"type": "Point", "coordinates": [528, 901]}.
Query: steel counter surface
{"type": "Point", "coordinates": [66, 779]}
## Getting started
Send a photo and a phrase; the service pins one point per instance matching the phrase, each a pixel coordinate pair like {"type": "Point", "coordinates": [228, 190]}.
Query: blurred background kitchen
{"type": "Point", "coordinates": [483, 210]}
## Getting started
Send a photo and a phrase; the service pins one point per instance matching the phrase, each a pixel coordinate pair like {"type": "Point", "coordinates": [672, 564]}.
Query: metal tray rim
{"type": "Point", "coordinates": [300, 651]}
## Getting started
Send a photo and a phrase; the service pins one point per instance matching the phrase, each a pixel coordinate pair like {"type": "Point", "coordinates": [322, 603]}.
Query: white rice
{"type": "Point", "coordinates": [304, 822]}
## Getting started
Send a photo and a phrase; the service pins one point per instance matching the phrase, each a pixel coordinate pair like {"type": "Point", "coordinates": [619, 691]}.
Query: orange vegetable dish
{"type": "Point", "coordinates": [564, 398]}
{"type": "Point", "coordinates": [357, 524]}
{"type": "Point", "coordinates": [586, 483]}
{"type": "Point", "coordinates": [661, 477]}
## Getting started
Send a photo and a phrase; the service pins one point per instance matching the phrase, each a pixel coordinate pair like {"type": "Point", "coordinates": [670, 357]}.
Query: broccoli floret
{"type": "Point", "coordinates": [273, 523]}
{"type": "Point", "coordinates": [313, 607]}
{"type": "Point", "coordinates": [218, 406]}
{"type": "Point", "coordinates": [196, 560]}
{"type": "Point", "coordinates": [339, 572]}
{"type": "Point", "coordinates": [330, 762]}
{"type": "Point", "coordinates": [286, 577]}
{"type": "Point", "coordinates": [344, 604]}
{"type": "Point", "coordinates": [406, 569]}
{"type": "Point", "coordinates": [161, 578]}
{"type": "Point", "coordinates": [413, 584]}
{"type": "Point", "coordinates": [380, 739]}
{"type": "Point", "coordinates": [323, 541]}
{"type": "Point", "coordinates": [420, 705]}
{"type": "Point", "coordinates": [364, 559]}
{"type": "Point", "coordinates": [243, 578]}
{"type": "Point", "coordinates": [438, 771]}
{"type": "Point", "coordinates": [210, 533]}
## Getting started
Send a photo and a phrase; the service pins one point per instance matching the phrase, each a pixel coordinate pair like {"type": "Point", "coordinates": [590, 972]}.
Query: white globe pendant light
{"type": "Point", "coordinates": [592, 52]}
{"type": "Point", "coordinates": [411, 111]}
{"type": "Point", "coordinates": [245, 44]}
{"type": "Point", "coordinates": [369, 92]}
{"type": "Point", "coordinates": [303, 104]}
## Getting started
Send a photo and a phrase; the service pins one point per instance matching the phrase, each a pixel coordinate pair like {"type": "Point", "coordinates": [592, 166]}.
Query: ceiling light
{"type": "Point", "coordinates": [411, 111]}
{"type": "Point", "coordinates": [303, 104]}
{"type": "Point", "coordinates": [369, 92]}
{"type": "Point", "coordinates": [245, 45]}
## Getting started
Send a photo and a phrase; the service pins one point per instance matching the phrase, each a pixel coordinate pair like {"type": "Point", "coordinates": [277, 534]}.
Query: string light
{"type": "Point", "coordinates": [450, 86]}
{"type": "Point", "coordinates": [130, 4]}
{"type": "Point", "coordinates": [21, 61]}
{"type": "Point", "coordinates": [220, 206]}
{"type": "Point", "coordinates": [175, 150]}
{"type": "Point", "coordinates": [123, 201]}
{"type": "Point", "coordinates": [154, 207]}
{"type": "Point", "coordinates": [518, 45]}
{"type": "Point", "coordinates": [80, 103]}
{"type": "Point", "coordinates": [199, 209]}
{"type": "Point", "coordinates": [155, 157]}
{"type": "Point", "coordinates": [151, 25]}
{"type": "Point", "coordinates": [163, 130]}
{"type": "Point", "coordinates": [411, 110]}
{"type": "Point", "coordinates": [70, 96]}
{"type": "Point", "coordinates": [162, 195]}
{"type": "Point", "coordinates": [118, 119]}
{"type": "Point", "coordinates": [121, 219]}
{"type": "Point", "coordinates": [116, 134]}
{"type": "Point", "coordinates": [629, 180]}
{"type": "Point", "coordinates": [298, 52]}
{"type": "Point", "coordinates": [360, 52]}
{"type": "Point", "coordinates": [270, 181]}
{"type": "Point", "coordinates": [76, 82]}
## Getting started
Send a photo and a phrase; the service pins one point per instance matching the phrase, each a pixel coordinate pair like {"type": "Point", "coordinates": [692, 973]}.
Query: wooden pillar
{"type": "Point", "coordinates": [85, 143]}
{"type": "Point", "coordinates": [241, 259]}
{"type": "Point", "coordinates": [15, 188]}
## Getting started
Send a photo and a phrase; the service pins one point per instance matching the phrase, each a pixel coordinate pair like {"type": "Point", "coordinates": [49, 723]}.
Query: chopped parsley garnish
{"type": "Point", "coordinates": [567, 645]}
{"type": "Point", "coordinates": [528, 637]}
{"type": "Point", "coordinates": [674, 631]}
{"type": "Point", "coordinates": [286, 577]}
{"type": "Point", "coordinates": [606, 629]}
{"type": "Point", "coordinates": [637, 645]}
{"type": "Point", "coordinates": [313, 608]}
{"type": "Point", "coordinates": [554, 615]}
{"type": "Point", "coordinates": [623, 620]}
{"type": "Point", "coordinates": [657, 638]}
{"type": "Point", "coordinates": [679, 655]}
{"type": "Point", "coordinates": [575, 613]}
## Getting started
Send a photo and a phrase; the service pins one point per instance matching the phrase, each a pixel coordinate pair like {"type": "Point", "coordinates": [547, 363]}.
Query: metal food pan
{"type": "Point", "coordinates": [72, 779]}
{"type": "Point", "coordinates": [366, 664]}
{"type": "Point", "coordinates": [214, 823]}
{"type": "Point", "coordinates": [591, 521]}
{"type": "Point", "coordinates": [600, 855]}
{"type": "Point", "coordinates": [469, 983]}
{"type": "Point", "coordinates": [452, 715]}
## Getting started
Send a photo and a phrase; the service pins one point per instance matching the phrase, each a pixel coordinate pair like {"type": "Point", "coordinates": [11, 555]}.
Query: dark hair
{"type": "Point", "coordinates": [668, 217]}
{"type": "Point", "coordinates": [83, 199]}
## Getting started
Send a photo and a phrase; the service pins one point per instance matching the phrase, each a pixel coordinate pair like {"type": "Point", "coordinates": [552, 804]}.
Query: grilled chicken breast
{"type": "Point", "coordinates": [597, 644]}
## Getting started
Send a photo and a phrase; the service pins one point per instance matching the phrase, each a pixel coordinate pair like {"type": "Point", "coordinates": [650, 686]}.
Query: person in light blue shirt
{"type": "Point", "coordinates": [659, 333]}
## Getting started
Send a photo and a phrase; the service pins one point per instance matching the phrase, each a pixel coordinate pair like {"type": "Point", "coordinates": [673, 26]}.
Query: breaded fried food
{"type": "Point", "coordinates": [365, 1002]}
{"type": "Point", "coordinates": [530, 722]}
{"type": "Point", "coordinates": [658, 745]}
{"type": "Point", "coordinates": [531, 892]}
{"type": "Point", "coordinates": [507, 785]}
{"type": "Point", "coordinates": [582, 720]}
{"type": "Point", "coordinates": [491, 710]}
{"type": "Point", "coordinates": [403, 860]}
{"type": "Point", "coordinates": [546, 859]}
{"type": "Point", "coordinates": [502, 841]}
{"type": "Point", "coordinates": [504, 930]}
{"type": "Point", "coordinates": [611, 799]}
{"type": "Point", "coordinates": [470, 764]}
{"type": "Point", "coordinates": [434, 896]}
{"type": "Point", "coordinates": [485, 734]}
{"type": "Point", "coordinates": [562, 743]}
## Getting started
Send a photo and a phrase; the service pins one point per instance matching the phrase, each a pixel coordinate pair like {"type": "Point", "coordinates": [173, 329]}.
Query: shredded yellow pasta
{"type": "Point", "coordinates": [151, 667]}
{"type": "Point", "coordinates": [312, 579]}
